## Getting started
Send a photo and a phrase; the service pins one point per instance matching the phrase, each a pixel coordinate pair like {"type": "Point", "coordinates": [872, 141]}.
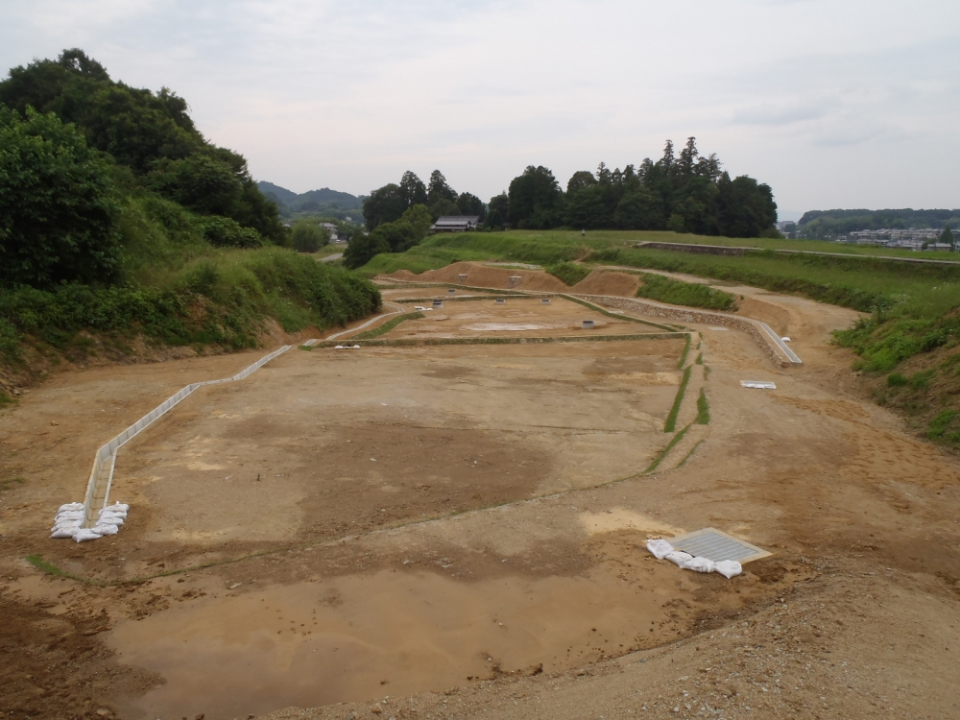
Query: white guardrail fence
{"type": "Point", "coordinates": [104, 462]}
{"type": "Point", "coordinates": [101, 477]}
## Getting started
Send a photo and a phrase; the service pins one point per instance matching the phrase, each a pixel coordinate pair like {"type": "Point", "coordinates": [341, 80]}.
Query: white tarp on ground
{"type": "Point", "coordinates": [758, 384]}
{"type": "Point", "coordinates": [663, 550]}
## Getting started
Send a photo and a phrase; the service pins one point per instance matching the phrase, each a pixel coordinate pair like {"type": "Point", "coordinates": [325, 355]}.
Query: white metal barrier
{"type": "Point", "coordinates": [104, 462]}
{"type": "Point", "coordinates": [101, 477]}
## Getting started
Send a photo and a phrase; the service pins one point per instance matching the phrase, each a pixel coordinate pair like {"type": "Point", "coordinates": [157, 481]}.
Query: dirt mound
{"type": "Point", "coordinates": [775, 316]}
{"type": "Point", "coordinates": [605, 282]}
{"type": "Point", "coordinates": [478, 275]}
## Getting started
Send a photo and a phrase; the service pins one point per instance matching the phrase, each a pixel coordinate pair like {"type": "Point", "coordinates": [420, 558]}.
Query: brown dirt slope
{"type": "Point", "coordinates": [479, 275]}
{"type": "Point", "coordinates": [605, 282]}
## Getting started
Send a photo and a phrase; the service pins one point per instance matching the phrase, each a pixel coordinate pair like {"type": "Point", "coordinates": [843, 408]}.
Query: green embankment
{"type": "Point", "coordinates": [178, 289]}
{"type": "Point", "coordinates": [676, 292]}
{"type": "Point", "coordinates": [569, 273]}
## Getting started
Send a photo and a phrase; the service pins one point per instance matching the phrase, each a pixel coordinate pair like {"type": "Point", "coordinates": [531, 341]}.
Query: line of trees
{"type": "Point", "coordinates": [390, 202]}
{"type": "Point", "coordinates": [683, 192]}
{"type": "Point", "coordinates": [830, 224]}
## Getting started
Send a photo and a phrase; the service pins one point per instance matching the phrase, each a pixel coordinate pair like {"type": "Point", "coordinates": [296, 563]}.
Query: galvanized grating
{"type": "Point", "coordinates": [716, 545]}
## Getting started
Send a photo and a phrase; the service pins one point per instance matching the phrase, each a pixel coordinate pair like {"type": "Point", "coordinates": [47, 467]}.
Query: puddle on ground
{"type": "Point", "coordinates": [394, 633]}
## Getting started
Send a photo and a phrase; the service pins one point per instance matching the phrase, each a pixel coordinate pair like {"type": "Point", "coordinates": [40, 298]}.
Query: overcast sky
{"type": "Point", "coordinates": [833, 103]}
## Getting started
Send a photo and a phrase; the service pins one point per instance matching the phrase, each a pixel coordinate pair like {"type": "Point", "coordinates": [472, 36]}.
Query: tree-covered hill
{"type": "Point", "coordinates": [829, 224]}
{"type": "Point", "coordinates": [118, 218]}
{"type": "Point", "coordinates": [325, 202]}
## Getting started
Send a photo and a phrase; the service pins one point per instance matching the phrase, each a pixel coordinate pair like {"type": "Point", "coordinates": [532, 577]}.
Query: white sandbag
{"type": "Point", "coordinates": [70, 506]}
{"type": "Point", "coordinates": [65, 532]}
{"type": "Point", "coordinates": [117, 507]}
{"type": "Point", "coordinates": [111, 519]}
{"type": "Point", "coordinates": [107, 528]}
{"type": "Point", "coordinates": [74, 526]}
{"type": "Point", "coordinates": [700, 564]}
{"type": "Point", "coordinates": [84, 534]}
{"type": "Point", "coordinates": [659, 548]}
{"type": "Point", "coordinates": [729, 568]}
{"type": "Point", "coordinates": [679, 558]}
{"type": "Point", "coordinates": [70, 515]}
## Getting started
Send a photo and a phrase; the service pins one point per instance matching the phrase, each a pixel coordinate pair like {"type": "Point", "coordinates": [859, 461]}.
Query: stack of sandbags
{"type": "Point", "coordinates": [70, 519]}
{"type": "Point", "coordinates": [662, 550]}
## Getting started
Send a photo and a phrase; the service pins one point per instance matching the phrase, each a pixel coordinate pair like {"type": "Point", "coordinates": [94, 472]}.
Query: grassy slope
{"type": "Point", "coordinates": [915, 308]}
{"type": "Point", "coordinates": [178, 289]}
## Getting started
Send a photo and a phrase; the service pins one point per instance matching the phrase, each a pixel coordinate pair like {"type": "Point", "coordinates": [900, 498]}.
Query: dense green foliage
{"type": "Point", "coordinates": [149, 133]}
{"type": "Point", "coordinates": [308, 237]}
{"type": "Point", "coordinates": [58, 206]}
{"type": "Point", "coordinates": [390, 237]}
{"type": "Point", "coordinates": [117, 218]}
{"type": "Point", "coordinates": [829, 224]}
{"type": "Point", "coordinates": [676, 292]}
{"type": "Point", "coordinates": [390, 202]}
{"type": "Point", "coordinates": [217, 298]}
{"type": "Point", "coordinates": [685, 193]}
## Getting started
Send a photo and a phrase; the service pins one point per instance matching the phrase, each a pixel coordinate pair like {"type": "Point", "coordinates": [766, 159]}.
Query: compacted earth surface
{"type": "Point", "coordinates": [451, 520]}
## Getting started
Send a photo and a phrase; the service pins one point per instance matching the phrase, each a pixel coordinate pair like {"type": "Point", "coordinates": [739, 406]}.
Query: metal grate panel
{"type": "Point", "coordinates": [717, 545]}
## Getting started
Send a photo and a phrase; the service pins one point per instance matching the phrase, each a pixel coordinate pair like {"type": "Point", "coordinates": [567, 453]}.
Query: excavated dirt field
{"type": "Point", "coordinates": [433, 531]}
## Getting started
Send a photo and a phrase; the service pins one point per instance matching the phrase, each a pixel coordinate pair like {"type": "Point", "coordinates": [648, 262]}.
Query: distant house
{"type": "Point", "coordinates": [333, 231]}
{"type": "Point", "coordinates": [456, 223]}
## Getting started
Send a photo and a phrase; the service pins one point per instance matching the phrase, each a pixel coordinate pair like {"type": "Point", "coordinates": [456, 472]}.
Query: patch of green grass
{"type": "Point", "coordinates": [689, 454]}
{"type": "Point", "coordinates": [50, 569]}
{"type": "Point", "coordinates": [699, 360]}
{"type": "Point", "coordinates": [703, 409]}
{"type": "Point", "coordinates": [568, 273]}
{"type": "Point", "coordinates": [896, 380]}
{"type": "Point", "coordinates": [677, 292]}
{"type": "Point", "coordinates": [666, 451]}
{"type": "Point", "coordinates": [683, 356]}
{"type": "Point", "coordinates": [387, 326]}
{"type": "Point", "coordinates": [921, 379]}
{"type": "Point", "coordinates": [6, 400]}
{"type": "Point", "coordinates": [671, 423]}
{"type": "Point", "coordinates": [938, 426]}
{"type": "Point", "coordinates": [10, 482]}
{"type": "Point", "coordinates": [222, 297]}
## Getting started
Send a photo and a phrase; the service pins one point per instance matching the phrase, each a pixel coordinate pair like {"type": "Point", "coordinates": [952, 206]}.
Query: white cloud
{"type": "Point", "coordinates": [349, 95]}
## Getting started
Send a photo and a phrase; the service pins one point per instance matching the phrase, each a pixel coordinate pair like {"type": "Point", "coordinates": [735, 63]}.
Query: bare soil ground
{"type": "Point", "coordinates": [435, 533]}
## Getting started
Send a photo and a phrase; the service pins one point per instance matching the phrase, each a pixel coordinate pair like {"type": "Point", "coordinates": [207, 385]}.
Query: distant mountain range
{"type": "Point", "coordinates": [331, 203]}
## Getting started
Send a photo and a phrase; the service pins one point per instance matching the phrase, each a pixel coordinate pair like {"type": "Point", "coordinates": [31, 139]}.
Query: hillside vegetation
{"type": "Point", "coordinates": [119, 220]}
{"type": "Point", "coordinates": [825, 224]}
{"type": "Point", "coordinates": [910, 334]}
